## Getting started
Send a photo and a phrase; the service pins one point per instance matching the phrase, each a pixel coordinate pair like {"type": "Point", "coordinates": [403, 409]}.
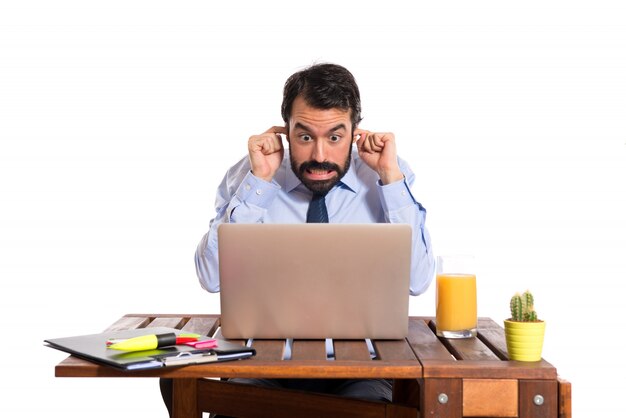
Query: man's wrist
{"type": "Point", "coordinates": [391, 176]}
{"type": "Point", "coordinates": [266, 177]}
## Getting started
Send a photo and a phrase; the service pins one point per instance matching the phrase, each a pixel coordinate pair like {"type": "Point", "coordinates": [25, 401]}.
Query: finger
{"type": "Point", "coordinates": [265, 143]}
{"type": "Point", "coordinates": [362, 142]}
{"type": "Point", "coordinates": [278, 130]}
{"type": "Point", "coordinates": [366, 142]}
{"type": "Point", "coordinates": [271, 144]}
{"type": "Point", "coordinates": [359, 135]}
{"type": "Point", "coordinates": [375, 141]}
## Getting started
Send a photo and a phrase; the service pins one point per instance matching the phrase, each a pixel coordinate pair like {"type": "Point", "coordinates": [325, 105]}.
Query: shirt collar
{"type": "Point", "coordinates": [349, 181]}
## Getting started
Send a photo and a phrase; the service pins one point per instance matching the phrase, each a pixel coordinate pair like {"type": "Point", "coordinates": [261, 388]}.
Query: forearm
{"type": "Point", "coordinates": [207, 266]}
{"type": "Point", "coordinates": [400, 207]}
{"type": "Point", "coordinates": [422, 258]}
{"type": "Point", "coordinates": [246, 205]}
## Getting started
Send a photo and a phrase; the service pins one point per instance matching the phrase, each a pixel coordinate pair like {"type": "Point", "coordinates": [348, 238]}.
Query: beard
{"type": "Point", "coordinates": [320, 186]}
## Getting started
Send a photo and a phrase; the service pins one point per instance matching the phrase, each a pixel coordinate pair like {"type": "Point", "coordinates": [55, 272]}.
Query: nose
{"type": "Point", "coordinates": [319, 152]}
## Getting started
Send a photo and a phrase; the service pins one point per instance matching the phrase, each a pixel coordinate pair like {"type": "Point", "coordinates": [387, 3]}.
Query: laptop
{"type": "Point", "coordinates": [314, 281]}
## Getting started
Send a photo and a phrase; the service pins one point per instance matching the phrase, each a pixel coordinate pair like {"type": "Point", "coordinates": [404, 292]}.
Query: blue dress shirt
{"type": "Point", "coordinates": [358, 198]}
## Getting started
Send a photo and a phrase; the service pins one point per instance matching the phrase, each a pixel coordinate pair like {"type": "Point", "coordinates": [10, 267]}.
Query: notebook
{"type": "Point", "coordinates": [313, 281]}
{"type": "Point", "coordinates": [93, 348]}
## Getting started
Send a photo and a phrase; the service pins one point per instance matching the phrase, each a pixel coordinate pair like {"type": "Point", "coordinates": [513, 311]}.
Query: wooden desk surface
{"type": "Point", "coordinates": [421, 354]}
{"type": "Point", "coordinates": [456, 378]}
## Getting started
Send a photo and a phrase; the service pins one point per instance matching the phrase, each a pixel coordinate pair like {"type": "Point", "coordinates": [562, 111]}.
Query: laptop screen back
{"type": "Point", "coordinates": [312, 281]}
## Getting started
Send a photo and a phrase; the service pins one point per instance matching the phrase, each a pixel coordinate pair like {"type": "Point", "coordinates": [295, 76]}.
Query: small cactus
{"type": "Point", "coordinates": [522, 307]}
{"type": "Point", "coordinates": [516, 307]}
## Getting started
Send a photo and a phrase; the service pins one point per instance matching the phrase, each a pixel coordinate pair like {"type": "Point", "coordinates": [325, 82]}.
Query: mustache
{"type": "Point", "coordinates": [314, 165]}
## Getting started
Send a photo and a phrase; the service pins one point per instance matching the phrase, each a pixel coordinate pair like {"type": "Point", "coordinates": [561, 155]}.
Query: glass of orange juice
{"type": "Point", "coordinates": [456, 297]}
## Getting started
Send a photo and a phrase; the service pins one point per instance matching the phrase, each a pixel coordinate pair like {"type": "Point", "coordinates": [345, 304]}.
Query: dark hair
{"type": "Point", "coordinates": [323, 86]}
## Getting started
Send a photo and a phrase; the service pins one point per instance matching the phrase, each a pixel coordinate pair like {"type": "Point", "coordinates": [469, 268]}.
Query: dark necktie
{"type": "Point", "coordinates": [317, 210]}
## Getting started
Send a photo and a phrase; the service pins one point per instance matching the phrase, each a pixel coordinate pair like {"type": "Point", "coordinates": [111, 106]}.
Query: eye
{"type": "Point", "coordinates": [335, 138]}
{"type": "Point", "coordinates": [305, 138]}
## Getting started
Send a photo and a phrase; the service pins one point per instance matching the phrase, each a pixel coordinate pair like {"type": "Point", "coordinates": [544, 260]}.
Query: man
{"type": "Point", "coordinates": [355, 172]}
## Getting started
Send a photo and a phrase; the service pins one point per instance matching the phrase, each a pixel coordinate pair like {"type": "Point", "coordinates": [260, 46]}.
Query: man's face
{"type": "Point", "coordinates": [320, 143]}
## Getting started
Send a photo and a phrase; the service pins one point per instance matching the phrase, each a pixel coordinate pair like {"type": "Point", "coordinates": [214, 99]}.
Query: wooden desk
{"type": "Point", "coordinates": [443, 378]}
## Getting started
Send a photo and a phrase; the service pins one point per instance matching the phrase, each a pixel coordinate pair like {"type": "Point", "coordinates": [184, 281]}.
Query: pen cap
{"type": "Point", "coordinates": [164, 340]}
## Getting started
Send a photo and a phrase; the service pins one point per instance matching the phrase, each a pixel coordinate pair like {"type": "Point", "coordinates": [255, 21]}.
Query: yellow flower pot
{"type": "Point", "coordinates": [524, 340]}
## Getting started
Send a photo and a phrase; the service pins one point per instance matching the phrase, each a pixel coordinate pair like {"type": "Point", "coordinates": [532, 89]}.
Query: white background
{"type": "Point", "coordinates": [118, 120]}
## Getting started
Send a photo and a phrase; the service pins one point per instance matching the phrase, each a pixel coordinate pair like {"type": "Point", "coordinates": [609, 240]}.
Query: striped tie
{"type": "Point", "coordinates": [317, 210]}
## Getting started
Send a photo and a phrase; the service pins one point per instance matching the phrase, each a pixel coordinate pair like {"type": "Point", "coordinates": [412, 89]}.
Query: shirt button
{"type": "Point", "coordinates": [247, 187]}
{"type": "Point", "coordinates": [403, 192]}
{"type": "Point", "coordinates": [258, 192]}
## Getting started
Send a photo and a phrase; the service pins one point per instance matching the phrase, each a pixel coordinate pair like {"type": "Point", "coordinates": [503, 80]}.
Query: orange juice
{"type": "Point", "coordinates": [456, 302]}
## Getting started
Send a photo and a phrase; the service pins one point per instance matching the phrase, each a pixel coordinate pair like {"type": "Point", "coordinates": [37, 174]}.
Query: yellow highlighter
{"type": "Point", "coordinates": [151, 342]}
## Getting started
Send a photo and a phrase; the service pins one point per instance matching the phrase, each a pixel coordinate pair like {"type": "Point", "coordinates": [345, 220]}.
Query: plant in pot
{"type": "Point", "coordinates": [524, 331]}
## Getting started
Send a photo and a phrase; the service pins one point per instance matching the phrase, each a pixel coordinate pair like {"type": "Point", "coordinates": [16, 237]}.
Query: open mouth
{"type": "Point", "coordinates": [319, 174]}
{"type": "Point", "coordinates": [319, 177]}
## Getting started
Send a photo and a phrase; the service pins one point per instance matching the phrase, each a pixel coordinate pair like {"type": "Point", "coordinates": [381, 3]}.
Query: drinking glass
{"type": "Point", "coordinates": [456, 297]}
